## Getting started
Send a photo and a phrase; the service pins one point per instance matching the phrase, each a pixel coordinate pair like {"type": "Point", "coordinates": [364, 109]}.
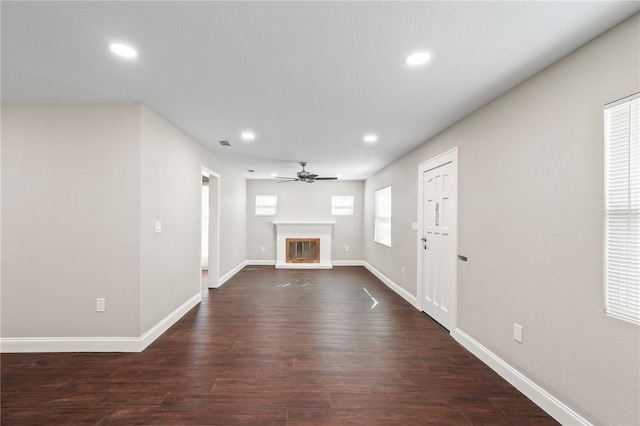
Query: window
{"type": "Point", "coordinates": [342, 205]}
{"type": "Point", "coordinates": [266, 205]}
{"type": "Point", "coordinates": [622, 207]}
{"type": "Point", "coordinates": [382, 225]}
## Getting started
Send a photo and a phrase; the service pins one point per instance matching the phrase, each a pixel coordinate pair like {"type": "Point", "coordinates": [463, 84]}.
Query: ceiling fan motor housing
{"type": "Point", "coordinates": [305, 176]}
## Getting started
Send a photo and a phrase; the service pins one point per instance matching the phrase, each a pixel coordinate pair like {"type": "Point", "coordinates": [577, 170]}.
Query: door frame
{"type": "Point", "coordinates": [450, 156]}
{"type": "Point", "coordinates": [213, 273]}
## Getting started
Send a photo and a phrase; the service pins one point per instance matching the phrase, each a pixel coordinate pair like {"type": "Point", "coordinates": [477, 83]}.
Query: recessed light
{"type": "Point", "coordinates": [417, 58]}
{"type": "Point", "coordinates": [123, 50]}
{"type": "Point", "coordinates": [248, 136]}
{"type": "Point", "coordinates": [370, 138]}
{"type": "Point", "coordinates": [274, 174]}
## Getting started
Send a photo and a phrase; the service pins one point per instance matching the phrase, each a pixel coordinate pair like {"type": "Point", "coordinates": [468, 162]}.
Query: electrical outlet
{"type": "Point", "coordinates": [403, 270]}
{"type": "Point", "coordinates": [101, 305]}
{"type": "Point", "coordinates": [262, 249]}
{"type": "Point", "coordinates": [517, 332]}
{"type": "Point", "coordinates": [346, 248]}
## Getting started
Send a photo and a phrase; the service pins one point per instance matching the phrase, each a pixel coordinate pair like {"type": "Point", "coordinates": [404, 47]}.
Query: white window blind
{"type": "Point", "coordinates": [622, 204]}
{"type": "Point", "coordinates": [342, 205]}
{"type": "Point", "coordinates": [266, 205]}
{"type": "Point", "coordinates": [382, 223]}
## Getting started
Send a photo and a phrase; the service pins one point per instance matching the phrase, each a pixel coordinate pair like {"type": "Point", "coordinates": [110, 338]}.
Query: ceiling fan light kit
{"type": "Point", "coordinates": [304, 176]}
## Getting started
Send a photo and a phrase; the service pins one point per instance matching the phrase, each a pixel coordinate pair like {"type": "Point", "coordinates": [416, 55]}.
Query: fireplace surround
{"type": "Point", "coordinates": [296, 231]}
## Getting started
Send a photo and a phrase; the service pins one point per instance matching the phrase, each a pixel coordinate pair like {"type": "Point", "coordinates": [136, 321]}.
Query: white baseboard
{"type": "Point", "coordinates": [69, 344]}
{"type": "Point", "coordinates": [333, 262]}
{"type": "Point", "coordinates": [97, 344]}
{"type": "Point", "coordinates": [157, 330]}
{"type": "Point", "coordinates": [348, 262]}
{"type": "Point", "coordinates": [304, 266]}
{"type": "Point", "coordinates": [393, 286]}
{"type": "Point", "coordinates": [258, 262]}
{"type": "Point", "coordinates": [535, 393]}
{"type": "Point", "coordinates": [226, 277]}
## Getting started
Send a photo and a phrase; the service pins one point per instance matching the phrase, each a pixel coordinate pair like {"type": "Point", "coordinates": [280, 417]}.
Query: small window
{"type": "Point", "coordinates": [382, 223]}
{"type": "Point", "coordinates": [266, 205]}
{"type": "Point", "coordinates": [622, 209]}
{"type": "Point", "coordinates": [342, 205]}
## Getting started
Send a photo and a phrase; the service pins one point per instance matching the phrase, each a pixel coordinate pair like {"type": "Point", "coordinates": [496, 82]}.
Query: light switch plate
{"type": "Point", "coordinates": [101, 305]}
{"type": "Point", "coordinates": [158, 226]}
{"type": "Point", "coordinates": [517, 332]}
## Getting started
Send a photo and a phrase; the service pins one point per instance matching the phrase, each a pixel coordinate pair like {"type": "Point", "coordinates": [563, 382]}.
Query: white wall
{"type": "Point", "coordinates": [531, 223]}
{"type": "Point", "coordinates": [82, 186]}
{"type": "Point", "coordinates": [233, 219]}
{"type": "Point", "coordinates": [171, 192]}
{"type": "Point", "coordinates": [70, 220]}
{"type": "Point", "coordinates": [390, 261]}
{"type": "Point", "coordinates": [298, 200]}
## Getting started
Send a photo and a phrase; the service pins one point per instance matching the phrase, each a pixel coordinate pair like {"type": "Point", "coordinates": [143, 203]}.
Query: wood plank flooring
{"type": "Point", "coordinates": [284, 347]}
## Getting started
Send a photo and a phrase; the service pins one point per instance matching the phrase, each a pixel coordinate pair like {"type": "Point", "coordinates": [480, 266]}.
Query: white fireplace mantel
{"type": "Point", "coordinates": [322, 229]}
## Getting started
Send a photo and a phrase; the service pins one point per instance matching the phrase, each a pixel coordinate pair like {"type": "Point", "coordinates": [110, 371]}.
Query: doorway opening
{"type": "Point", "coordinates": [210, 229]}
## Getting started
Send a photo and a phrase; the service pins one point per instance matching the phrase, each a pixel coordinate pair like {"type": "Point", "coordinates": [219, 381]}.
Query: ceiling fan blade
{"type": "Point", "coordinates": [304, 176]}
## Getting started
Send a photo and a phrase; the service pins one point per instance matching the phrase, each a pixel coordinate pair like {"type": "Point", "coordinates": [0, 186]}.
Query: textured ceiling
{"type": "Point", "coordinates": [309, 78]}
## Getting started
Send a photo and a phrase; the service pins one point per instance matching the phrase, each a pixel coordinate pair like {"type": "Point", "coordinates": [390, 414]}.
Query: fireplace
{"type": "Point", "coordinates": [303, 244]}
{"type": "Point", "coordinates": [303, 250]}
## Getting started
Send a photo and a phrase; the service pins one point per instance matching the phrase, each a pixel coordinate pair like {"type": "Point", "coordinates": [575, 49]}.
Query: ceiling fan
{"type": "Point", "coordinates": [304, 176]}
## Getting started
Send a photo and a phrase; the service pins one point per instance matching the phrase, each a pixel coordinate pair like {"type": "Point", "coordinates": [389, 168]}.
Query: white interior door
{"type": "Point", "coordinates": [438, 239]}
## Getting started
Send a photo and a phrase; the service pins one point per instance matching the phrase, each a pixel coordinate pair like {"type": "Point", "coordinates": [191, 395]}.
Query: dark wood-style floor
{"type": "Point", "coordinates": [287, 347]}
